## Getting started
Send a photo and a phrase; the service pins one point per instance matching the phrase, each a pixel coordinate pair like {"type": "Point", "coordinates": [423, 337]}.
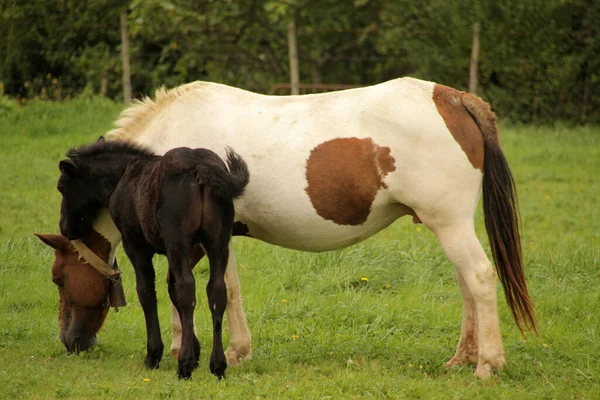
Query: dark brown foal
{"type": "Point", "coordinates": [177, 205]}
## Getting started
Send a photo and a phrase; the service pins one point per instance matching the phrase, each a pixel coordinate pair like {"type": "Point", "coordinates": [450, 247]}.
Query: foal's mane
{"type": "Point", "coordinates": [135, 118]}
{"type": "Point", "coordinates": [111, 147]}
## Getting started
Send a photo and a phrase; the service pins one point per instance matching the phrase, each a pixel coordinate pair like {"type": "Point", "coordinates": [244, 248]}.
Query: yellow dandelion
{"type": "Point", "coordinates": [146, 379]}
{"type": "Point", "coordinates": [545, 345]}
{"type": "Point", "coordinates": [295, 337]}
{"type": "Point", "coordinates": [420, 367]}
{"type": "Point", "coordinates": [547, 197]}
{"type": "Point", "coordinates": [410, 365]}
{"type": "Point", "coordinates": [389, 285]}
{"type": "Point", "coordinates": [284, 301]}
{"type": "Point", "coordinates": [364, 279]}
{"type": "Point", "coordinates": [418, 229]}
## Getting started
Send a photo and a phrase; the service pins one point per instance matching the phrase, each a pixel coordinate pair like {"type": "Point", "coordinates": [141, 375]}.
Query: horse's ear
{"type": "Point", "coordinates": [101, 139]}
{"type": "Point", "coordinates": [68, 167]}
{"type": "Point", "coordinates": [57, 242]}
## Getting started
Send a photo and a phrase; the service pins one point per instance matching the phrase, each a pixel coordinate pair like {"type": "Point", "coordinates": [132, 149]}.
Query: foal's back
{"type": "Point", "coordinates": [171, 196]}
{"type": "Point", "coordinates": [185, 160]}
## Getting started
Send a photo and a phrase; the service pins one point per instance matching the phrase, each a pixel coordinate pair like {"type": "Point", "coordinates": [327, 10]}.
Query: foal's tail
{"type": "Point", "coordinates": [222, 183]}
{"type": "Point", "coordinates": [501, 211]}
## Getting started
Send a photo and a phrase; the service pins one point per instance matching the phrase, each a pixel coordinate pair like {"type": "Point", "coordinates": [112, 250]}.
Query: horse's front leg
{"type": "Point", "coordinates": [182, 290]}
{"type": "Point", "coordinates": [216, 291]}
{"type": "Point", "coordinates": [144, 278]}
{"type": "Point", "coordinates": [240, 341]}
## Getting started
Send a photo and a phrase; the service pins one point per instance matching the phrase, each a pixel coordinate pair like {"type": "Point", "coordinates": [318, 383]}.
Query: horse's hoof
{"type": "Point", "coordinates": [458, 361]}
{"type": "Point", "coordinates": [484, 370]}
{"type": "Point", "coordinates": [236, 358]}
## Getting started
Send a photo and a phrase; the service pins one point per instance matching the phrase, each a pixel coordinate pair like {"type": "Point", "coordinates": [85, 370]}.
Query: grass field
{"type": "Point", "coordinates": [319, 330]}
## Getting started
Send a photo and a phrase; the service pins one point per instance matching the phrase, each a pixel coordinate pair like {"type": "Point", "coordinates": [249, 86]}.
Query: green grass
{"type": "Point", "coordinates": [337, 336]}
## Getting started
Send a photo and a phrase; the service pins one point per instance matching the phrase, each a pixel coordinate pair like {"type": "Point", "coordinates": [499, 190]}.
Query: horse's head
{"type": "Point", "coordinates": [83, 291]}
{"type": "Point", "coordinates": [81, 200]}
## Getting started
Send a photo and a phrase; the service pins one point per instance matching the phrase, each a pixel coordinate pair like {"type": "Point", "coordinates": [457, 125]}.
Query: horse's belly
{"type": "Point", "coordinates": [310, 232]}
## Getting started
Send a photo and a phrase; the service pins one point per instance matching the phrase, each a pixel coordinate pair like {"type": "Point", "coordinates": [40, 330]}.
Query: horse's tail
{"type": "Point", "coordinates": [222, 183]}
{"type": "Point", "coordinates": [501, 211]}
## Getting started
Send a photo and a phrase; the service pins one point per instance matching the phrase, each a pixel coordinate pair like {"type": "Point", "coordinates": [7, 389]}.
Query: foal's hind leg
{"type": "Point", "coordinates": [240, 341]}
{"type": "Point", "coordinates": [216, 292]}
{"type": "Point", "coordinates": [196, 255]}
{"type": "Point", "coordinates": [182, 290]}
{"type": "Point", "coordinates": [462, 247]}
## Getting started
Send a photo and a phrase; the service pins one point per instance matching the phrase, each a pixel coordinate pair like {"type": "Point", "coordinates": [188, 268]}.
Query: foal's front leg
{"type": "Point", "coordinates": [144, 278]}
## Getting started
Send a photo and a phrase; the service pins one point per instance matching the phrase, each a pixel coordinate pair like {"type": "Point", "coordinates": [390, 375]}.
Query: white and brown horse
{"type": "Point", "coordinates": [329, 170]}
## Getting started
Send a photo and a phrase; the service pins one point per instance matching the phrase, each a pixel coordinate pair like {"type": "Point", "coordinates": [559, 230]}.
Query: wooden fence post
{"type": "Point", "coordinates": [293, 54]}
{"type": "Point", "coordinates": [125, 56]}
{"type": "Point", "coordinates": [474, 65]}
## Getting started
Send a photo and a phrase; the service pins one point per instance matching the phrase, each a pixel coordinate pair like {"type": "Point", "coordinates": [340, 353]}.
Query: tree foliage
{"type": "Point", "coordinates": [539, 59]}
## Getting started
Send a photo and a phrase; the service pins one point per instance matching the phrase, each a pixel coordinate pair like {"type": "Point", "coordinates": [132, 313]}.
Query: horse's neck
{"type": "Point", "coordinates": [105, 226]}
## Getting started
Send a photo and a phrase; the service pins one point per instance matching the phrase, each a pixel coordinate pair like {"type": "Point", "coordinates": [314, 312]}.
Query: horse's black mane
{"type": "Point", "coordinates": [116, 147]}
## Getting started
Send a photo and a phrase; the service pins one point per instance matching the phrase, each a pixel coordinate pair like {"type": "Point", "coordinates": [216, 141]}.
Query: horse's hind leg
{"type": "Point", "coordinates": [240, 341]}
{"type": "Point", "coordinates": [466, 350]}
{"type": "Point", "coordinates": [477, 280]}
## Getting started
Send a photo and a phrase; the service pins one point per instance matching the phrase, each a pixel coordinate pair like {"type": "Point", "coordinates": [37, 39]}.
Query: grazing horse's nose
{"type": "Point", "coordinates": [78, 343]}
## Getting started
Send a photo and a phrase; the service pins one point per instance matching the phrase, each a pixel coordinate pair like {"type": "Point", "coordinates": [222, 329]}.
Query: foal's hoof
{"type": "Point", "coordinates": [184, 371]}
{"type": "Point", "coordinates": [217, 368]}
{"type": "Point", "coordinates": [152, 362]}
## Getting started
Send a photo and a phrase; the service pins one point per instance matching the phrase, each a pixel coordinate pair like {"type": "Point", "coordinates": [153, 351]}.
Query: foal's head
{"type": "Point", "coordinates": [82, 198]}
{"type": "Point", "coordinates": [83, 291]}
{"type": "Point", "coordinates": [87, 178]}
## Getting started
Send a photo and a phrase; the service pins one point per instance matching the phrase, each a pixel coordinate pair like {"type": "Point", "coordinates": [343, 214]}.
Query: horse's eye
{"type": "Point", "coordinates": [59, 281]}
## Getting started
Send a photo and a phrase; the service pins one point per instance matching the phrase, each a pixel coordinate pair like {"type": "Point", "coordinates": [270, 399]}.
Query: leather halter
{"type": "Point", "coordinates": [91, 258]}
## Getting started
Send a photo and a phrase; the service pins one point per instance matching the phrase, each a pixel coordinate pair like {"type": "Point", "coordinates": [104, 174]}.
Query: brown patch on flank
{"type": "Point", "coordinates": [460, 123]}
{"type": "Point", "coordinates": [344, 176]}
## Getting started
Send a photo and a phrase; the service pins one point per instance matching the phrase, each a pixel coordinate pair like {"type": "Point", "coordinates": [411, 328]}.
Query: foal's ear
{"type": "Point", "coordinates": [57, 242]}
{"type": "Point", "coordinates": [67, 166]}
{"type": "Point", "coordinates": [101, 139]}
